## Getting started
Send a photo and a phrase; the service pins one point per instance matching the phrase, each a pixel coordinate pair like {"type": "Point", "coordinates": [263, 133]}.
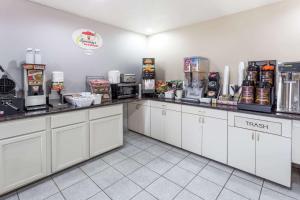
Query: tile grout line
{"type": "Point", "coordinates": [96, 185]}
{"type": "Point", "coordinates": [261, 190]}
{"type": "Point", "coordinates": [160, 175]}
{"type": "Point", "coordinates": [58, 189]}
{"type": "Point", "coordinates": [196, 174]}
{"type": "Point", "coordinates": [225, 184]}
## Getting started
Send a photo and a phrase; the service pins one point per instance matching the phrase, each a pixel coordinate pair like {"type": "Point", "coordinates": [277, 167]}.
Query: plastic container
{"type": "Point", "coordinates": [37, 56]}
{"type": "Point", "coordinates": [80, 101]}
{"type": "Point", "coordinates": [114, 76]}
{"type": "Point", "coordinates": [97, 99]}
{"type": "Point", "coordinates": [29, 56]}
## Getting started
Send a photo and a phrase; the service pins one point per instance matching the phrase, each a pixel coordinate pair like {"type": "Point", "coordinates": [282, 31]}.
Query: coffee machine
{"type": "Point", "coordinates": [34, 86]}
{"type": "Point", "coordinates": [288, 87]}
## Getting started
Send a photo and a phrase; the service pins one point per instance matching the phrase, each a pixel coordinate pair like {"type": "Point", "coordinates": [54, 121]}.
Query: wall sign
{"type": "Point", "coordinates": [87, 39]}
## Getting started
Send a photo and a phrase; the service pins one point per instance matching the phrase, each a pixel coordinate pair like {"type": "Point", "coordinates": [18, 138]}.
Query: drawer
{"type": "Point", "coordinates": [106, 111]}
{"type": "Point", "coordinates": [220, 114]}
{"type": "Point", "coordinates": [261, 123]}
{"type": "Point", "coordinates": [68, 118]}
{"type": "Point", "coordinates": [167, 106]}
{"type": "Point", "coordinates": [142, 102]}
{"type": "Point", "coordinates": [21, 127]}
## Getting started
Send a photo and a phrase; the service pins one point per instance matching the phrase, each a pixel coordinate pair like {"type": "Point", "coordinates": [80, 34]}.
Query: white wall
{"type": "Point", "coordinates": [270, 32]}
{"type": "Point", "coordinates": [24, 24]}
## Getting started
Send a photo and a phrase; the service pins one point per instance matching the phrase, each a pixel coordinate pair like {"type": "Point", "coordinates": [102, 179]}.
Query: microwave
{"type": "Point", "coordinates": [124, 90]}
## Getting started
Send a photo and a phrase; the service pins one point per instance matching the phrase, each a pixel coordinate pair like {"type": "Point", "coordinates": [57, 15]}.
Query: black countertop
{"type": "Point", "coordinates": [114, 102]}
{"type": "Point", "coordinates": [231, 109]}
{"type": "Point", "coordinates": [51, 110]}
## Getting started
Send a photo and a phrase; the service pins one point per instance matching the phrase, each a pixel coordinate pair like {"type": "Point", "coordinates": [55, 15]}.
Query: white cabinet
{"type": "Point", "coordinates": [296, 142]}
{"type": "Point", "coordinates": [192, 133]}
{"type": "Point", "coordinates": [105, 134]}
{"type": "Point", "coordinates": [132, 117]}
{"type": "Point", "coordinates": [139, 118]}
{"type": "Point", "coordinates": [273, 158]}
{"type": "Point", "coordinates": [166, 125]}
{"type": "Point", "coordinates": [265, 154]}
{"type": "Point", "coordinates": [241, 149]}
{"type": "Point", "coordinates": [22, 160]}
{"type": "Point", "coordinates": [70, 145]}
{"type": "Point", "coordinates": [157, 124]}
{"type": "Point", "coordinates": [172, 129]}
{"type": "Point", "coordinates": [215, 139]}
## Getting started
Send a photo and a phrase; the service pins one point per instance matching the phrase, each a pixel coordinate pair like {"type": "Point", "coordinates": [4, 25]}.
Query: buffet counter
{"type": "Point", "coordinates": [45, 142]}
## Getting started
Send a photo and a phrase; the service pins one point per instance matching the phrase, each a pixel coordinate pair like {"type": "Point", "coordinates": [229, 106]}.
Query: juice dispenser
{"type": "Point", "coordinates": [34, 86]}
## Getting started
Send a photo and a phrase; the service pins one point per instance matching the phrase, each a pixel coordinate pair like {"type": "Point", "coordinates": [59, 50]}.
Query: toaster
{"type": "Point", "coordinates": [128, 78]}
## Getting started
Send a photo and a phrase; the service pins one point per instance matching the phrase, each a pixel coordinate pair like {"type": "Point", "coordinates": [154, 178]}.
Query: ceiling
{"type": "Point", "coordinates": [153, 16]}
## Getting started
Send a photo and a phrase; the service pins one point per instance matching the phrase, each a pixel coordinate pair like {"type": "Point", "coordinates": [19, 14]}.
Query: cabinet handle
{"type": "Point", "coordinates": [163, 112]}
{"type": "Point", "coordinates": [252, 135]}
{"type": "Point", "coordinates": [203, 120]}
{"type": "Point", "coordinates": [257, 137]}
{"type": "Point", "coordinates": [201, 112]}
{"type": "Point", "coordinates": [200, 120]}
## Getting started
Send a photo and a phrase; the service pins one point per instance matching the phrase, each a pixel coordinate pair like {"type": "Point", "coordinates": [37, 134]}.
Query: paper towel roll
{"type": "Point", "coordinates": [241, 73]}
{"type": "Point", "coordinates": [225, 81]}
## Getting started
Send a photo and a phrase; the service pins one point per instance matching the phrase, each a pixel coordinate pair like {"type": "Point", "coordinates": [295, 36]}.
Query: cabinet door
{"type": "Point", "coordinates": [273, 158]}
{"type": "Point", "coordinates": [22, 160]}
{"type": "Point", "coordinates": [296, 142]}
{"type": "Point", "coordinates": [215, 139]}
{"type": "Point", "coordinates": [106, 134]}
{"type": "Point", "coordinates": [172, 128]}
{"type": "Point", "coordinates": [241, 149]}
{"type": "Point", "coordinates": [70, 145]}
{"type": "Point", "coordinates": [132, 117]}
{"type": "Point", "coordinates": [192, 133]}
{"type": "Point", "coordinates": [157, 124]}
{"type": "Point", "coordinates": [143, 120]}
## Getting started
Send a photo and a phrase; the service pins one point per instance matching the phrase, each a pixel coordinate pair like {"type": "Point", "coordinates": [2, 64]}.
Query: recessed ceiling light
{"type": "Point", "coordinates": [149, 31]}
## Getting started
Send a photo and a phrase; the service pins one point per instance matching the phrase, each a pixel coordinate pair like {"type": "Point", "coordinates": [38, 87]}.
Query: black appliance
{"type": "Point", "coordinates": [213, 85]}
{"type": "Point", "coordinates": [9, 103]}
{"type": "Point", "coordinates": [124, 90]}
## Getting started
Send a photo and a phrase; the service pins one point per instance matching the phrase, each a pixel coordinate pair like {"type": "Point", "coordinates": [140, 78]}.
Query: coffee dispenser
{"type": "Point", "coordinates": [34, 86]}
{"type": "Point", "coordinates": [288, 87]}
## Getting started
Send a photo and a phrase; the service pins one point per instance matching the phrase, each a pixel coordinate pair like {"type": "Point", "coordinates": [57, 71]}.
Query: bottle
{"type": "Point", "coordinates": [29, 56]}
{"type": "Point", "coordinates": [37, 56]}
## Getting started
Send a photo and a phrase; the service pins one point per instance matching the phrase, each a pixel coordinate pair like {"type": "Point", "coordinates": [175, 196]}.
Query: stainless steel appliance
{"type": "Point", "coordinates": [128, 78]}
{"type": "Point", "coordinates": [9, 103]}
{"type": "Point", "coordinates": [196, 72]}
{"type": "Point", "coordinates": [124, 90]}
{"type": "Point", "coordinates": [34, 86]}
{"type": "Point", "coordinates": [288, 87]}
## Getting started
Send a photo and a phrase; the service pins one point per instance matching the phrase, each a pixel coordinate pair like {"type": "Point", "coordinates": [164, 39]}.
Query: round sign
{"type": "Point", "coordinates": [87, 39]}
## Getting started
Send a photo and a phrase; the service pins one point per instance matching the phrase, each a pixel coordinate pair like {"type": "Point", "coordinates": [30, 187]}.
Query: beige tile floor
{"type": "Point", "coordinates": [145, 169]}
